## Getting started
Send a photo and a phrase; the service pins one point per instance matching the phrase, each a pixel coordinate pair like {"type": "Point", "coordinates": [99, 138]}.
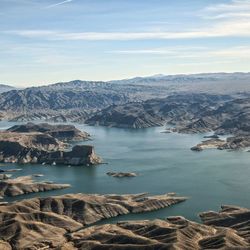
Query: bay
{"type": "Point", "coordinates": [164, 163]}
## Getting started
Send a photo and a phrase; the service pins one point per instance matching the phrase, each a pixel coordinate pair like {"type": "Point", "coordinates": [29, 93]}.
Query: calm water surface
{"type": "Point", "coordinates": [164, 163]}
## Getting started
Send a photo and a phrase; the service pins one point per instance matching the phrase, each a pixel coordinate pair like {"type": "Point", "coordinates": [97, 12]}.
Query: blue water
{"type": "Point", "coordinates": [164, 163]}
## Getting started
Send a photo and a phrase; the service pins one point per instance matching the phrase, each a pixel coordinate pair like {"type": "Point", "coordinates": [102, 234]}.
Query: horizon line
{"type": "Point", "coordinates": [121, 79]}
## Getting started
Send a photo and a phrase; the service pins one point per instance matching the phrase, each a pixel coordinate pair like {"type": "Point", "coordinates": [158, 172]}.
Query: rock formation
{"type": "Point", "coordinates": [15, 141]}
{"type": "Point", "coordinates": [45, 223]}
{"type": "Point", "coordinates": [60, 132]}
{"type": "Point", "coordinates": [79, 155]}
{"type": "Point", "coordinates": [231, 143]}
{"type": "Point", "coordinates": [14, 152]}
{"type": "Point", "coordinates": [61, 222]}
{"type": "Point", "coordinates": [237, 142]}
{"type": "Point", "coordinates": [24, 185]}
{"type": "Point", "coordinates": [44, 143]}
{"type": "Point", "coordinates": [121, 174]}
{"type": "Point", "coordinates": [181, 110]}
{"type": "Point", "coordinates": [211, 143]}
{"type": "Point", "coordinates": [172, 233]}
{"type": "Point", "coordinates": [186, 113]}
{"type": "Point", "coordinates": [131, 115]}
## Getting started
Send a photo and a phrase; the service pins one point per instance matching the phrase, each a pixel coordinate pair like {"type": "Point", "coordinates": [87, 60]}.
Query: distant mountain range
{"type": "Point", "coordinates": [67, 99]}
{"type": "Point", "coordinates": [184, 78]}
{"type": "Point", "coordinates": [85, 100]}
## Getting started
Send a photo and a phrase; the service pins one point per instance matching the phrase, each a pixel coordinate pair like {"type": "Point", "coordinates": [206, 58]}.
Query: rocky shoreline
{"type": "Point", "coordinates": [61, 132]}
{"type": "Point", "coordinates": [184, 112]}
{"type": "Point", "coordinates": [224, 230]}
{"type": "Point", "coordinates": [231, 143]}
{"type": "Point", "coordinates": [46, 223]}
{"type": "Point", "coordinates": [25, 185]}
{"type": "Point", "coordinates": [45, 144]}
{"type": "Point", "coordinates": [211, 143]}
{"type": "Point", "coordinates": [66, 222]}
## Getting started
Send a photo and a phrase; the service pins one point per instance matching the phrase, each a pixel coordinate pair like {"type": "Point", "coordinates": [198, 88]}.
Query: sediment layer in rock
{"type": "Point", "coordinates": [35, 147]}
{"type": "Point", "coordinates": [60, 223]}
{"type": "Point", "coordinates": [24, 185]}
{"type": "Point", "coordinates": [46, 222]}
{"type": "Point", "coordinates": [231, 143]}
{"type": "Point", "coordinates": [172, 233]}
{"type": "Point", "coordinates": [211, 143]}
{"type": "Point", "coordinates": [59, 131]}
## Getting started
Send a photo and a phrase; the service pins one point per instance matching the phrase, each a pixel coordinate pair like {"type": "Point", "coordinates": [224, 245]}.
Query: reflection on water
{"type": "Point", "coordinates": [164, 162]}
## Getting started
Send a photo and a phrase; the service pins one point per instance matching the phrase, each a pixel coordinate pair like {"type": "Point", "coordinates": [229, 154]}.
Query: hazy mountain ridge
{"type": "Point", "coordinates": [79, 100]}
{"type": "Point", "coordinates": [185, 78]}
{"type": "Point", "coordinates": [130, 115]}
{"type": "Point", "coordinates": [30, 99]}
{"type": "Point", "coordinates": [175, 109]}
{"type": "Point", "coordinates": [81, 95]}
{"type": "Point", "coordinates": [190, 113]}
{"type": "Point", "coordinates": [5, 88]}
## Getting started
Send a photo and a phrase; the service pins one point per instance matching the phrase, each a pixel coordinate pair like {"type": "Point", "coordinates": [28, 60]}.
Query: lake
{"type": "Point", "coordinates": [164, 163]}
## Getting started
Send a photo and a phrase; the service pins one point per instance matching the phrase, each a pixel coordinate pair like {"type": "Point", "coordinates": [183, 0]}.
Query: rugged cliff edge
{"type": "Point", "coordinates": [61, 131]}
{"type": "Point", "coordinates": [62, 222]}
{"type": "Point", "coordinates": [21, 151]}
{"type": "Point", "coordinates": [228, 229]}
{"type": "Point", "coordinates": [44, 143]}
{"type": "Point", "coordinates": [25, 185]}
{"type": "Point", "coordinates": [231, 143]}
{"type": "Point", "coordinates": [45, 223]}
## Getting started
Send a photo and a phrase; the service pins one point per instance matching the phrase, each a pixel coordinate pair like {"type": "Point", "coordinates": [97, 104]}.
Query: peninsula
{"type": "Point", "coordinates": [45, 144]}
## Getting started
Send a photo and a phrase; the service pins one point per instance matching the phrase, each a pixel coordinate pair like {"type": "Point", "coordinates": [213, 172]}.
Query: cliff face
{"type": "Point", "coordinates": [14, 152]}
{"type": "Point", "coordinates": [79, 155]}
{"type": "Point", "coordinates": [60, 132]}
{"type": "Point", "coordinates": [42, 143]}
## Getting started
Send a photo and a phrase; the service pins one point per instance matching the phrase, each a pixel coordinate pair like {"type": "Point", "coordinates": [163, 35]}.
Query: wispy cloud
{"type": "Point", "coordinates": [233, 9]}
{"type": "Point", "coordinates": [229, 15]}
{"type": "Point", "coordinates": [57, 4]}
{"type": "Point", "coordinates": [169, 51]}
{"type": "Point", "coordinates": [229, 20]}
{"type": "Point", "coordinates": [234, 5]}
{"type": "Point", "coordinates": [236, 52]}
{"type": "Point", "coordinates": [222, 29]}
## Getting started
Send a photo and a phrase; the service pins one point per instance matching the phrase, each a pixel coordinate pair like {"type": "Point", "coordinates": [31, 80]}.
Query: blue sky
{"type": "Point", "coordinates": [46, 41]}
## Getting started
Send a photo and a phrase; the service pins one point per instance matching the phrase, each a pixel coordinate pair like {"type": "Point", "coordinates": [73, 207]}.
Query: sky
{"type": "Point", "coordinates": [47, 41]}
